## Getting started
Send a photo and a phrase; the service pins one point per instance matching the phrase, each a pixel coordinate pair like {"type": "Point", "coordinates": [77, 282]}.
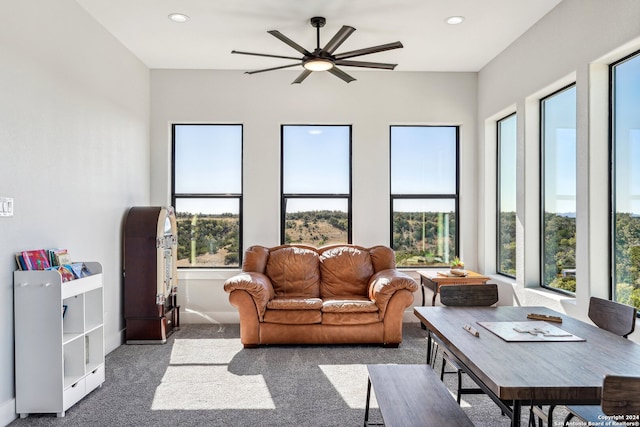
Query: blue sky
{"type": "Point", "coordinates": [627, 136]}
{"type": "Point", "coordinates": [508, 146]}
{"type": "Point", "coordinates": [208, 160]}
{"type": "Point", "coordinates": [316, 161]}
{"type": "Point", "coordinates": [423, 160]}
{"type": "Point", "coordinates": [559, 139]}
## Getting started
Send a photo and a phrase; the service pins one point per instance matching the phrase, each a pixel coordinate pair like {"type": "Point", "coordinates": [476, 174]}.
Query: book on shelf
{"type": "Point", "coordinates": [65, 271]}
{"type": "Point", "coordinates": [52, 259]}
{"type": "Point", "coordinates": [59, 256]}
{"type": "Point", "coordinates": [79, 270]}
{"type": "Point", "coordinates": [20, 261]}
{"type": "Point", "coordinates": [36, 259]}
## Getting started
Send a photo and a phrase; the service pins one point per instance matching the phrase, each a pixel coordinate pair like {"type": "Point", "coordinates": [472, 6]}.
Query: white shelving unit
{"type": "Point", "coordinates": [59, 339]}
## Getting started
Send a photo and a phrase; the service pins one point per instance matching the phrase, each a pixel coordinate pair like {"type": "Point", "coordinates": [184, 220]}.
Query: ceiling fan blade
{"type": "Point", "coordinates": [339, 73]}
{"type": "Point", "coordinates": [363, 64]}
{"type": "Point", "coordinates": [368, 50]}
{"type": "Point", "coordinates": [277, 34]}
{"type": "Point", "coordinates": [338, 39]}
{"type": "Point", "coordinates": [303, 75]}
{"type": "Point", "coordinates": [266, 54]}
{"type": "Point", "coordinates": [271, 69]}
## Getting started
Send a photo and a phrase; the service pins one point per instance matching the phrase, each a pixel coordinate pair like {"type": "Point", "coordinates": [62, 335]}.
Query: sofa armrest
{"type": "Point", "coordinates": [257, 285]}
{"type": "Point", "coordinates": [385, 283]}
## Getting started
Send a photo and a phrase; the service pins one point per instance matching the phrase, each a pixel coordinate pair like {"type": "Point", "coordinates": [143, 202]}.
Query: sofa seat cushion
{"type": "Point", "coordinates": [346, 271]}
{"type": "Point", "coordinates": [344, 319]}
{"type": "Point", "coordinates": [348, 305]}
{"type": "Point", "coordinates": [293, 317]}
{"type": "Point", "coordinates": [295, 304]}
{"type": "Point", "coordinates": [294, 271]}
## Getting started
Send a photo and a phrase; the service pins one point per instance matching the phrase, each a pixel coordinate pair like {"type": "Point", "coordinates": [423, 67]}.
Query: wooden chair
{"type": "Point", "coordinates": [620, 396]}
{"type": "Point", "coordinates": [612, 316]}
{"type": "Point", "coordinates": [464, 296]}
{"type": "Point", "coordinates": [619, 319]}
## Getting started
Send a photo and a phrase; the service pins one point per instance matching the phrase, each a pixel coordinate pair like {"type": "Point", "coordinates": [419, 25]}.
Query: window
{"type": "Point", "coordinates": [207, 194]}
{"type": "Point", "coordinates": [316, 184]}
{"type": "Point", "coordinates": [558, 204]}
{"type": "Point", "coordinates": [625, 132]}
{"type": "Point", "coordinates": [424, 195]}
{"type": "Point", "coordinates": [506, 226]}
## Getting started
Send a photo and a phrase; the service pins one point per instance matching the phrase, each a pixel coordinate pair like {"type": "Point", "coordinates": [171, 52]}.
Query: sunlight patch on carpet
{"type": "Point", "coordinates": [205, 387]}
{"type": "Point", "coordinates": [198, 378]}
{"type": "Point", "coordinates": [207, 351]}
{"type": "Point", "coordinates": [350, 381]}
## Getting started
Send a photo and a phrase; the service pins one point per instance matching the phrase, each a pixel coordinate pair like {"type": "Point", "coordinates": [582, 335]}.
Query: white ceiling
{"type": "Point", "coordinates": [216, 27]}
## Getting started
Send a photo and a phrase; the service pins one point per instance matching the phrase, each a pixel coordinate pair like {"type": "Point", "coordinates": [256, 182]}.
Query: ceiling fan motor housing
{"type": "Point", "coordinates": [318, 21]}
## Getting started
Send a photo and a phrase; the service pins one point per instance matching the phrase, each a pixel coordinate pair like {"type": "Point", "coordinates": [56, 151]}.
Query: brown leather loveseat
{"type": "Point", "coordinates": [339, 294]}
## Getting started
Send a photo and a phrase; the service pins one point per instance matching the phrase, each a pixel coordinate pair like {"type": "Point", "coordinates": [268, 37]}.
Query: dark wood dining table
{"type": "Point", "coordinates": [518, 373]}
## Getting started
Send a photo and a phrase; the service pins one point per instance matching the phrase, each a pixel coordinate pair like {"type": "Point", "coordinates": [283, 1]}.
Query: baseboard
{"type": "Point", "coordinates": [113, 341]}
{"type": "Point", "coordinates": [8, 412]}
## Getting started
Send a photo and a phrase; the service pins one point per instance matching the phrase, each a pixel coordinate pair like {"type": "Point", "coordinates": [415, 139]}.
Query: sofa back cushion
{"type": "Point", "coordinates": [383, 258]}
{"type": "Point", "coordinates": [294, 271]}
{"type": "Point", "coordinates": [255, 259]}
{"type": "Point", "coordinates": [345, 271]}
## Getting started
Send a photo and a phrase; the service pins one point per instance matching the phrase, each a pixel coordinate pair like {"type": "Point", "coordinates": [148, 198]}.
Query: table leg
{"type": "Point", "coordinates": [366, 410]}
{"type": "Point", "coordinates": [428, 347]}
{"type": "Point", "coordinates": [435, 293]}
{"type": "Point", "coordinates": [517, 409]}
{"type": "Point", "coordinates": [422, 284]}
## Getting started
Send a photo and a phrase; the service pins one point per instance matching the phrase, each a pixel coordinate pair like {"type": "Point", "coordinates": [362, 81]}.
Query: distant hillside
{"type": "Point", "coordinates": [316, 228]}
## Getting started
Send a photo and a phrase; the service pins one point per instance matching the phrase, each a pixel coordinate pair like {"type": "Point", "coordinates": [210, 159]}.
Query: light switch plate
{"type": "Point", "coordinates": [6, 206]}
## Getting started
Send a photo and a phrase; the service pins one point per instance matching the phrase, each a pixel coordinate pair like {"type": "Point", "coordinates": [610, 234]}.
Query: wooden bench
{"type": "Point", "coordinates": [412, 395]}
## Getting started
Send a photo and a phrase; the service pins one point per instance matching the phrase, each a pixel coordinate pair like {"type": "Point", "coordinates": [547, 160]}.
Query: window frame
{"type": "Point", "coordinates": [316, 196]}
{"type": "Point", "coordinates": [612, 288]}
{"type": "Point", "coordinates": [542, 188]}
{"type": "Point", "coordinates": [427, 196]}
{"type": "Point", "coordinates": [498, 191]}
{"type": "Point", "coordinates": [239, 196]}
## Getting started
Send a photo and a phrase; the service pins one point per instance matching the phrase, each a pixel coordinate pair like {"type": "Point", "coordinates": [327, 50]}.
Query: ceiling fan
{"type": "Point", "coordinates": [324, 59]}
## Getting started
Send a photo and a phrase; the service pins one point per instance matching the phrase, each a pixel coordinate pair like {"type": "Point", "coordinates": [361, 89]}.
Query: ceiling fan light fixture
{"type": "Point", "coordinates": [318, 64]}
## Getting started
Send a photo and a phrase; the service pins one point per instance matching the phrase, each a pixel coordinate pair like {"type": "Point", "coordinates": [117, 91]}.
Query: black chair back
{"type": "Point", "coordinates": [469, 295]}
{"type": "Point", "coordinates": [612, 316]}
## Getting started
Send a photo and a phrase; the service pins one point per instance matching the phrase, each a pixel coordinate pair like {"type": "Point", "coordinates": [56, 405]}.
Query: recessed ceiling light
{"type": "Point", "coordinates": [454, 20]}
{"type": "Point", "coordinates": [178, 17]}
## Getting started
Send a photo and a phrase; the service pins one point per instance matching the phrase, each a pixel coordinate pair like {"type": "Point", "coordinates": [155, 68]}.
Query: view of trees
{"type": "Point", "coordinates": [208, 240]}
{"type": "Point", "coordinates": [316, 228]}
{"type": "Point", "coordinates": [419, 239]}
{"type": "Point", "coordinates": [559, 251]}
{"type": "Point", "coordinates": [507, 240]}
{"type": "Point", "coordinates": [627, 259]}
{"type": "Point", "coordinates": [560, 243]}
{"type": "Point", "coordinates": [424, 238]}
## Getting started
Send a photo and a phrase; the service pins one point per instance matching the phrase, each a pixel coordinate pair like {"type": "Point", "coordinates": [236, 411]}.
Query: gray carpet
{"type": "Point", "coordinates": [203, 377]}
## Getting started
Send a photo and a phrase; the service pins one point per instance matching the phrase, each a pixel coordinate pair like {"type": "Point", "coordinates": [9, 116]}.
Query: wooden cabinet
{"type": "Point", "coordinates": [150, 274]}
{"type": "Point", "coordinates": [59, 339]}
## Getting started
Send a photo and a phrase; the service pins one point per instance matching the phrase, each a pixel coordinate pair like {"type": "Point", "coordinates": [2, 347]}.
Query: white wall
{"type": "Point", "coordinates": [263, 102]}
{"type": "Point", "coordinates": [574, 43]}
{"type": "Point", "coordinates": [74, 150]}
